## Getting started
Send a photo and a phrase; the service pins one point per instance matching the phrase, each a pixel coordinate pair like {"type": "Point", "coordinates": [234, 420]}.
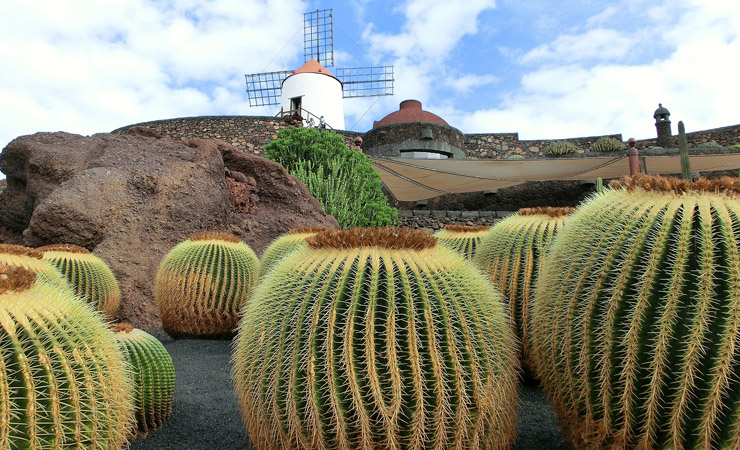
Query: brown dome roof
{"type": "Point", "coordinates": [410, 111]}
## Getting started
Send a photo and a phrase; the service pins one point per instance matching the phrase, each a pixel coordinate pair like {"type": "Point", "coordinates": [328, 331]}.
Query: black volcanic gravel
{"type": "Point", "coordinates": [206, 415]}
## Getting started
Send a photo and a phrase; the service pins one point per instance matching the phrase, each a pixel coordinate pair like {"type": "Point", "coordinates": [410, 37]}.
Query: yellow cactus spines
{"type": "Point", "coordinates": [376, 338]}
{"type": "Point", "coordinates": [153, 376]}
{"type": "Point", "coordinates": [636, 317]}
{"type": "Point", "coordinates": [463, 239]}
{"type": "Point", "coordinates": [64, 382]}
{"type": "Point", "coordinates": [32, 259]}
{"type": "Point", "coordinates": [202, 283]}
{"type": "Point", "coordinates": [89, 276]}
{"type": "Point", "coordinates": [285, 244]}
{"type": "Point", "coordinates": [511, 255]}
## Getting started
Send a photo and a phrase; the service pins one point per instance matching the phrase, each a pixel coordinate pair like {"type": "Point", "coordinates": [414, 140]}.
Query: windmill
{"type": "Point", "coordinates": [311, 91]}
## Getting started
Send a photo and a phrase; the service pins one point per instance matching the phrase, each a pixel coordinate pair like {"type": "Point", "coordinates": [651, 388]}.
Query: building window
{"type": "Point", "coordinates": [424, 155]}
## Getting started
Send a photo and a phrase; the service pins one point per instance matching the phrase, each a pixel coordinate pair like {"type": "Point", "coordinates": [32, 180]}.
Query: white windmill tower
{"type": "Point", "coordinates": [312, 92]}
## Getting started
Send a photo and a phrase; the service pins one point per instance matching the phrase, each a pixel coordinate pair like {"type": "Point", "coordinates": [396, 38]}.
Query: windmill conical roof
{"type": "Point", "coordinates": [313, 66]}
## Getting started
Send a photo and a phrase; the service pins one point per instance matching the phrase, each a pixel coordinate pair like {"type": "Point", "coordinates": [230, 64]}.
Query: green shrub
{"type": "Point", "coordinates": [514, 157]}
{"type": "Point", "coordinates": [341, 179]}
{"type": "Point", "coordinates": [607, 144]}
{"type": "Point", "coordinates": [710, 144]}
{"type": "Point", "coordinates": [560, 148]}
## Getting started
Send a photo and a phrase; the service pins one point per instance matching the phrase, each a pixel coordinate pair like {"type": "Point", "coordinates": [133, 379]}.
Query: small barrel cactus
{"type": "Point", "coordinates": [511, 255]}
{"type": "Point", "coordinates": [202, 283]}
{"type": "Point", "coordinates": [32, 259]}
{"type": "Point", "coordinates": [607, 144]}
{"type": "Point", "coordinates": [636, 318]}
{"type": "Point", "coordinates": [285, 244]}
{"type": "Point", "coordinates": [64, 383]}
{"type": "Point", "coordinates": [376, 338]}
{"type": "Point", "coordinates": [462, 239]}
{"type": "Point", "coordinates": [153, 376]}
{"type": "Point", "coordinates": [89, 276]}
{"type": "Point", "coordinates": [560, 148]}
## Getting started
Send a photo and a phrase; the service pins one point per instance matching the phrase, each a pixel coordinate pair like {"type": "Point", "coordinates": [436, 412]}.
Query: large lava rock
{"type": "Point", "coordinates": [131, 198]}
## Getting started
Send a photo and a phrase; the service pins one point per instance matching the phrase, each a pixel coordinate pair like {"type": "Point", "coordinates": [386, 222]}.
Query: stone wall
{"type": "Point", "coordinates": [413, 131]}
{"type": "Point", "coordinates": [508, 145]}
{"type": "Point", "coordinates": [436, 219]}
{"type": "Point", "coordinates": [724, 136]}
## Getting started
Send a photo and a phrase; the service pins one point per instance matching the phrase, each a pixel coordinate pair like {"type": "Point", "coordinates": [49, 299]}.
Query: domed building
{"type": "Point", "coordinates": [412, 132]}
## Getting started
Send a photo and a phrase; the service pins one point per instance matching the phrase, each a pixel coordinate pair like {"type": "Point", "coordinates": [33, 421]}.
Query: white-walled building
{"type": "Point", "coordinates": [312, 91]}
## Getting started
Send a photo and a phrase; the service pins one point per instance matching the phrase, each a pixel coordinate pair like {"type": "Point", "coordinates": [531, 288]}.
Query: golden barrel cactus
{"type": "Point", "coordinates": [63, 380]}
{"type": "Point", "coordinates": [376, 338]}
{"type": "Point", "coordinates": [463, 239]}
{"type": "Point", "coordinates": [636, 319]}
{"type": "Point", "coordinates": [202, 283]}
{"type": "Point", "coordinates": [293, 240]}
{"type": "Point", "coordinates": [89, 276]}
{"type": "Point", "coordinates": [32, 259]}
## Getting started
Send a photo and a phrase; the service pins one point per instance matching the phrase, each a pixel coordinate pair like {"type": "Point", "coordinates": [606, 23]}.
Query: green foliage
{"type": "Point", "coordinates": [514, 157]}
{"type": "Point", "coordinates": [341, 179]}
{"type": "Point", "coordinates": [710, 144]}
{"type": "Point", "coordinates": [560, 148]}
{"type": "Point", "coordinates": [636, 319]}
{"type": "Point", "coordinates": [202, 283]}
{"type": "Point", "coordinates": [153, 376]}
{"type": "Point", "coordinates": [64, 382]}
{"type": "Point", "coordinates": [375, 347]}
{"type": "Point", "coordinates": [607, 144]}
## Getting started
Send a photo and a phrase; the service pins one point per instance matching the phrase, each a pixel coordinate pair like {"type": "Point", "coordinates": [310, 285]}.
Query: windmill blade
{"type": "Point", "coordinates": [264, 88]}
{"type": "Point", "coordinates": [318, 37]}
{"type": "Point", "coordinates": [366, 81]}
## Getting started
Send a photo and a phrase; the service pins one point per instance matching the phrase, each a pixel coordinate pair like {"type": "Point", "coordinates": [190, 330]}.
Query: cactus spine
{"type": "Point", "coordinates": [462, 239]}
{"type": "Point", "coordinates": [202, 283]}
{"type": "Point", "coordinates": [63, 380]}
{"type": "Point", "coordinates": [89, 276]}
{"type": "Point", "coordinates": [376, 338]}
{"type": "Point", "coordinates": [282, 246]}
{"type": "Point", "coordinates": [511, 255]}
{"type": "Point", "coordinates": [153, 376]}
{"type": "Point", "coordinates": [32, 259]}
{"type": "Point", "coordinates": [637, 317]}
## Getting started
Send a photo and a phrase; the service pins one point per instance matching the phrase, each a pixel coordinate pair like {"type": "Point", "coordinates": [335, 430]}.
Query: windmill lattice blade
{"type": "Point", "coordinates": [366, 81]}
{"type": "Point", "coordinates": [264, 89]}
{"type": "Point", "coordinates": [318, 37]}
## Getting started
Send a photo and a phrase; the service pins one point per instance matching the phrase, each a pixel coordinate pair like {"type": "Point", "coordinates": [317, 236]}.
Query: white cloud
{"type": "Point", "coordinates": [598, 43]}
{"type": "Point", "coordinates": [471, 82]}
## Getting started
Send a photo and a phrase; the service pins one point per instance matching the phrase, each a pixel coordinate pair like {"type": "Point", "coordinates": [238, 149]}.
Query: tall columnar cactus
{"type": "Point", "coordinates": [89, 276]}
{"type": "Point", "coordinates": [63, 380]}
{"type": "Point", "coordinates": [636, 319]}
{"type": "Point", "coordinates": [376, 338]}
{"type": "Point", "coordinates": [32, 259]}
{"type": "Point", "coordinates": [511, 255]}
{"type": "Point", "coordinates": [153, 376]}
{"type": "Point", "coordinates": [282, 246]}
{"type": "Point", "coordinates": [462, 239]}
{"type": "Point", "coordinates": [202, 283]}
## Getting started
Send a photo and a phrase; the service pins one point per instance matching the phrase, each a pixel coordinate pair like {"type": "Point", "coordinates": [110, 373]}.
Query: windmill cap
{"type": "Point", "coordinates": [313, 66]}
{"type": "Point", "coordinates": [410, 111]}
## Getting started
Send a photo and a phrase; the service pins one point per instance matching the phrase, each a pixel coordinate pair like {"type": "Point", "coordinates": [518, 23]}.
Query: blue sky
{"type": "Point", "coordinates": [545, 69]}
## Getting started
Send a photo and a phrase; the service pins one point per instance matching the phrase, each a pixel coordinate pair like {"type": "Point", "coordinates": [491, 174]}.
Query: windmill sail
{"type": "Point", "coordinates": [366, 81]}
{"type": "Point", "coordinates": [264, 89]}
{"type": "Point", "coordinates": [318, 37]}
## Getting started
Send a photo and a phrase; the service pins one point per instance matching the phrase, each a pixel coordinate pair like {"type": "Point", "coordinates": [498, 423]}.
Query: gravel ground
{"type": "Point", "coordinates": [206, 416]}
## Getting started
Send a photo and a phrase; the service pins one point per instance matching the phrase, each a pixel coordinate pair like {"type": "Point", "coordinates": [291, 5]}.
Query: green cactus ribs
{"type": "Point", "coordinates": [636, 317]}
{"type": "Point", "coordinates": [284, 245]}
{"type": "Point", "coordinates": [63, 380]}
{"type": "Point", "coordinates": [89, 276]}
{"type": "Point", "coordinates": [202, 283]}
{"type": "Point", "coordinates": [153, 376]}
{"type": "Point", "coordinates": [376, 338]}
{"type": "Point", "coordinates": [463, 239]}
{"type": "Point", "coordinates": [32, 259]}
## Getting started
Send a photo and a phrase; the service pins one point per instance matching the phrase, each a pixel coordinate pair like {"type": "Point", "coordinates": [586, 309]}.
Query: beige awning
{"type": "Point", "coordinates": [420, 179]}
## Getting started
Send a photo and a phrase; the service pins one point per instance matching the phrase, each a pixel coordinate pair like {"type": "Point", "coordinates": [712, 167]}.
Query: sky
{"type": "Point", "coordinates": [544, 69]}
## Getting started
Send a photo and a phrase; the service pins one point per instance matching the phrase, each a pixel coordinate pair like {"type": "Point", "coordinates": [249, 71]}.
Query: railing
{"type": "Point", "coordinates": [305, 116]}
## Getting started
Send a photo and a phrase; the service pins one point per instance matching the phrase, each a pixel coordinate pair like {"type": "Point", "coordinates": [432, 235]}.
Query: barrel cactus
{"type": "Point", "coordinates": [202, 283]}
{"type": "Point", "coordinates": [64, 382]}
{"type": "Point", "coordinates": [153, 376]}
{"type": "Point", "coordinates": [511, 255]}
{"type": "Point", "coordinates": [89, 276]}
{"type": "Point", "coordinates": [32, 259]}
{"type": "Point", "coordinates": [376, 338]}
{"type": "Point", "coordinates": [462, 239]}
{"type": "Point", "coordinates": [285, 244]}
{"type": "Point", "coordinates": [636, 318]}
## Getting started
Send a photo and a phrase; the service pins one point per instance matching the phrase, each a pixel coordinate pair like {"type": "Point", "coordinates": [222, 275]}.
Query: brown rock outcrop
{"type": "Point", "coordinates": [131, 198]}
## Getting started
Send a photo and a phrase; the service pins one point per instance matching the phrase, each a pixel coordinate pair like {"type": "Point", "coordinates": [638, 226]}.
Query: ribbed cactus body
{"type": "Point", "coordinates": [32, 259]}
{"type": "Point", "coordinates": [202, 283]}
{"type": "Point", "coordinates": [462, 239]}
{"type": "Point", "coordinates": [366, 346]}
{"type": "Point", "coordinates": [153, 376]}
{"type": "Point", "coordinates": [511, 255]}
{"type": "Point", "coordinates": [63, 380]}
{"type": "Point", "coordinates": [284, 245]}
{"type": "Point", "coordinates": [636, 320]}
{"type": "Point", "coordinates": [89, 276]}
